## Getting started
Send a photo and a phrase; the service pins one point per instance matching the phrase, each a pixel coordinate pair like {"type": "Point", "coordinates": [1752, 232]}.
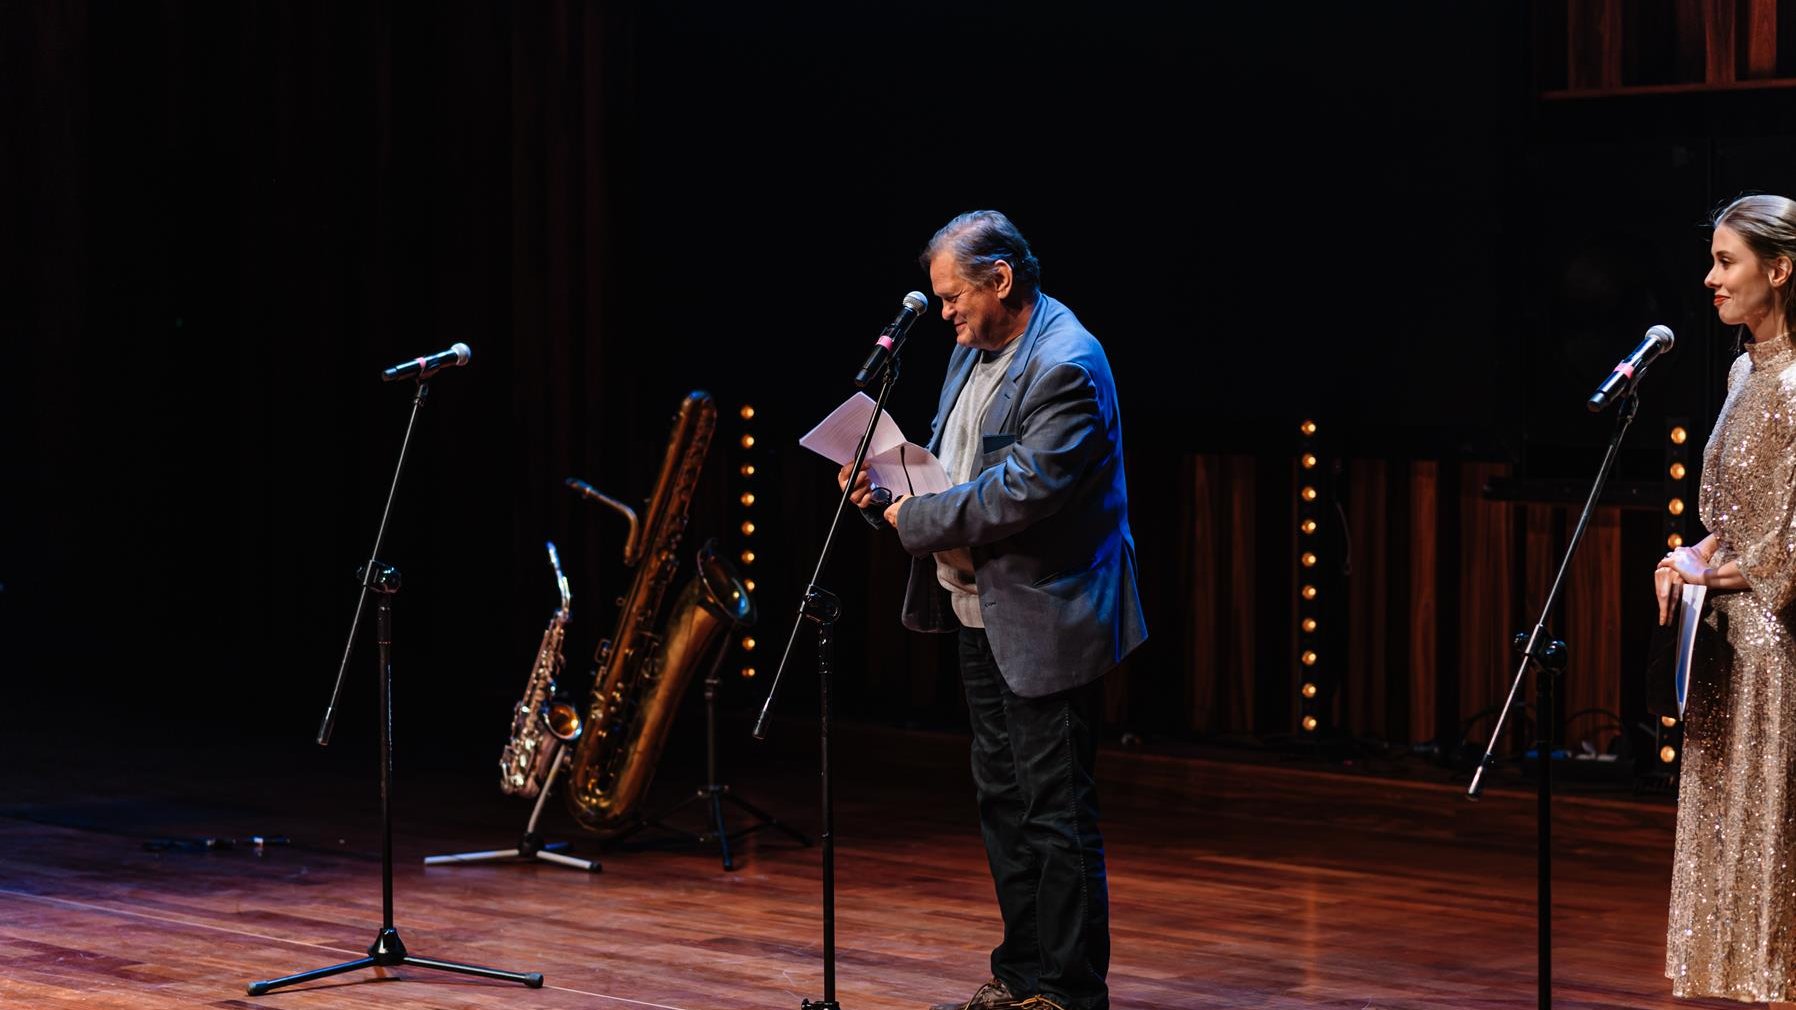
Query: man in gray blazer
{"type": "Point", "coordinates": [1029, 558]}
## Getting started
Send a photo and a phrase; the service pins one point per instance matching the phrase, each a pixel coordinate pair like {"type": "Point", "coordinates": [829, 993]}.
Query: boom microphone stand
{"type": "Point", "coordinates": [1548, 654]}
{"type": "Point", "coordinates": [822, 608]}
{"type": "Point", "coordinates": [383, 581]}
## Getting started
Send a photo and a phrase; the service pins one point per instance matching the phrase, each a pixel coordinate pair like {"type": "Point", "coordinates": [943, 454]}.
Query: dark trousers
{"type": "Point", "coordinates": [1034, 761]}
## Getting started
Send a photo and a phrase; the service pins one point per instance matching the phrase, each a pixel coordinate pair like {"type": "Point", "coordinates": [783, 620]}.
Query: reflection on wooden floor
{"type": "Point", "coordinates": [1234, 885]}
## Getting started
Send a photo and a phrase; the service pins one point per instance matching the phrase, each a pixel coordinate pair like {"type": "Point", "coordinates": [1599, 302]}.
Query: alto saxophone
{"type": "Point", "coordinates": [526, 761]}
{"type": "Point", "coordinates": [641, 672]}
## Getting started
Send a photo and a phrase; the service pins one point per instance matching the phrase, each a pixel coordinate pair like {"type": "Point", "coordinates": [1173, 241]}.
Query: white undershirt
{"type": "Point", "coordinates": [961, 451]}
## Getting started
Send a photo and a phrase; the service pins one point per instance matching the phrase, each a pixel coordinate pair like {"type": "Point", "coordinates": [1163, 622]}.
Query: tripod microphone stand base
{"type": "Point", "coordinates": [388, 951]}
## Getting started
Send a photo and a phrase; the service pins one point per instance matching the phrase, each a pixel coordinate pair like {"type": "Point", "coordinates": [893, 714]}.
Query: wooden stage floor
{"type": "Point", "coordinates": [1235, 884]}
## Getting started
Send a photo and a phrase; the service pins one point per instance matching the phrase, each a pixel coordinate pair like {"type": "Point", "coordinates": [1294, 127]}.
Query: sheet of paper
{"type": "Point", "coordinates": [893, 462]}
{"type": "Point", "coordinates": [1689, 619]}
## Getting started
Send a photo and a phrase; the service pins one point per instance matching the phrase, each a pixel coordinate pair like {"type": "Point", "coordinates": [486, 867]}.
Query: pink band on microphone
{"type": "Point", "coordinates": [884, 341]}
{"type": "Point", "coordinates": [1624, 369]}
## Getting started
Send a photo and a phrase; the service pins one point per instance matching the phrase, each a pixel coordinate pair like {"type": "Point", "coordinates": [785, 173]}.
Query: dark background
{"type": "Point", "coordinates": [221, 221]}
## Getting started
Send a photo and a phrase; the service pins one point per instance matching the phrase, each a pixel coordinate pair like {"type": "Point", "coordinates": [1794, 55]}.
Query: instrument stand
{"type": "Point", "coordinates": [530, 845]}
{"type": "Point", "coordinates": [387, 950]}
{"type": "Point", "coordinates": [714, 795]}
{"type": "Point", "coordinates": [1548, 656]}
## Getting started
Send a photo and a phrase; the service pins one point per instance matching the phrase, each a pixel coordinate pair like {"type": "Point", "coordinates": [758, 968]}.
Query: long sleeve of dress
{"type": "Point", "coordinates": [1749, 476]}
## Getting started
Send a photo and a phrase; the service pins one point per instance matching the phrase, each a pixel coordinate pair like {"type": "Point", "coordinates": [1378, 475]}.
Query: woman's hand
{"type": "Point", "coordinates": [1681, 566]}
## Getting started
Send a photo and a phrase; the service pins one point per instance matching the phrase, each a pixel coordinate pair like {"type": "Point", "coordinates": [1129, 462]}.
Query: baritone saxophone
{"type": "Point", "coordinates": [641, 671]}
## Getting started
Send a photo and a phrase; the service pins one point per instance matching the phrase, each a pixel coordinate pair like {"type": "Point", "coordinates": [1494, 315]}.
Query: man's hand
{"type": "Point", "coordinates": [892, 510]}
{"type": "Point", "coordinates": [863, 486]}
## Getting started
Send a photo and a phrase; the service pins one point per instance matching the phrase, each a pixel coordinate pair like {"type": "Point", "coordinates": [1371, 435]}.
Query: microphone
{"type": "Point", "coordinates": [1627, 374]}
{"type": "Point", "coordinates": [424, 368]}
{"type": "Point", "coordinates": [891, 339]}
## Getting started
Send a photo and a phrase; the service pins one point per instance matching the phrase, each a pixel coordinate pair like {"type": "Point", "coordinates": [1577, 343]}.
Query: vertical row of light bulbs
{"type": "Point", "coordinates": [1670, 732]}
{"type": "Point", "coordinates": [745, 500]}
{"type": "Point", "coordinates": [1309, 508]}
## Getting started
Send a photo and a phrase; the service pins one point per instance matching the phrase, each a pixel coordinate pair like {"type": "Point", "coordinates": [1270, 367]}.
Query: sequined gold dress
{"type": "Point", "coordinates": [1732, 929]}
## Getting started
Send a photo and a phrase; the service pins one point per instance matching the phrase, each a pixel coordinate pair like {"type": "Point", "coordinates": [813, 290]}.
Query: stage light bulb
{"type": "Point", "coordinates": [748, 469]}
{"type": "Point", "coordinates": [1679, 436]}
{"type": "Point", "coordinates": [1309, 724]}
{"type": "Point", "coordinates": [1309, 526]}
{"type": "Point", "coordinates": [748, 441]}
{"type": "Point", "coordinates": [1675, 506]}
{"type": "Point", "coordinates": [1309, 461]}
{"type": "Point", "coordinates": [1308, 428]}
{"type": "Point", "coordinates": [747, 412]}
{"type": "Point", "coordinates": [748, 557]}
{"type": "Point", "coordinates": [748, 498]}
{"type": "Point", "coordinates": [748, 529]}
{"type": "Point", "coordinates": [1308, 493]}
{"type": "Point", "coordinates": [1674, 541]}
{"type": "Point", "coordinates": [748, 645]}
{"type": "Point", "coordinates": [1667, 721]}
{"type": "Point", "coordinates": [1309, 592]}
{"type": "Point", "coordinates": [1309, 657]}
{"type": "Point", "coordinates": [748, 584]}
{"type": "Point", "coordinates": [1678, 471]}
{"type": "Point", "coordinates": [1309, 625]}
{"type": "Point", "coordinates": [1668, 754]}
{"type": "Point", "coordinates": [1309, 560]}
{"type": "Point", "coordinates": [748, 673]}
{"type": "Point", "coordinates": [1309, 690]}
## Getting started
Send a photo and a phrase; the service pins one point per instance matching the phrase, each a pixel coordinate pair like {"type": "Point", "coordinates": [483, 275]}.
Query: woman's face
{"type": "Point", "coordinates": [1740, 280]}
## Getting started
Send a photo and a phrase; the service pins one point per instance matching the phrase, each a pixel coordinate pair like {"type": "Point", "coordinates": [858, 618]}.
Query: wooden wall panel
{"type": "Point", "coordinates": [1237, 591]}
{"type": "Point", "coordinates": [1423, 545]}
{"type": "Point", "coordinates": [1364, 704]}
{"type": "Point", "coordinates": [1218, 612]}
{"type": "Point", "coordinates": [1486, 575]}
{"type": "Point", "coordinates": [1591, 625]}
{"type": "Point", "coordinates": [1441, 580]}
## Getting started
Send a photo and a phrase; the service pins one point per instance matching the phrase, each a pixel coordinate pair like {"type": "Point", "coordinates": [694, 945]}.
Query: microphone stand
{"type": "Point", "coordinates": [822, 608]}
{"type": "Point", "coordinates": [383, 580]}
{"type": "Point", "coordinates": [1549, 656]}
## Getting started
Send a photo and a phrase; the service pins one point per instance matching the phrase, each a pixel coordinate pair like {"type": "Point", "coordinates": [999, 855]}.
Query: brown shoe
{"type": "Point", "coordinates": [1038, 1003]}
{"type": "Point", "coordinates": [993, 995]}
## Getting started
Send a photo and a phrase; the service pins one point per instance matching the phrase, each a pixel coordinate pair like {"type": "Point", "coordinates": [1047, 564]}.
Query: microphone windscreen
{"type": "Point", "coordinates": [916, 302]}
{"type": "Point", "coordinates": [462, 352]}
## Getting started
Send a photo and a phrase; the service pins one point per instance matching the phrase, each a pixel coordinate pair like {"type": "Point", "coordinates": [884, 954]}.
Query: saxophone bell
{"type": "Point", "coordinates": [562, 720]}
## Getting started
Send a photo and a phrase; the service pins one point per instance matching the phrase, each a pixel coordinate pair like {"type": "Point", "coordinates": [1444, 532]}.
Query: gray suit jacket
{"type": "Point", "coordinates": [1046, 515]}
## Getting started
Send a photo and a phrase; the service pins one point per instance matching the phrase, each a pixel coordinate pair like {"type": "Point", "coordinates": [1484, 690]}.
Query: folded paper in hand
{"type": "Point", "coordinates": [1673, 652]}
{"type": "Point", "coordinates": [905, 467]}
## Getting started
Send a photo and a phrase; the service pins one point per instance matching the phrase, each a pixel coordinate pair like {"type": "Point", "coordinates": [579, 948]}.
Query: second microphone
{"type": "Point", "coordinates": [891, 339]}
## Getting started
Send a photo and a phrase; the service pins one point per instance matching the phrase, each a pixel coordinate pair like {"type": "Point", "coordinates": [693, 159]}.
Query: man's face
{"type": "Point", "coordinates": [978, 314]}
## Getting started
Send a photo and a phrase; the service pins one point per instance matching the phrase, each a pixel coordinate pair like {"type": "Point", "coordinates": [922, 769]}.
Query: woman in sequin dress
{"type": "Point", "coordinates": [1732, 929]}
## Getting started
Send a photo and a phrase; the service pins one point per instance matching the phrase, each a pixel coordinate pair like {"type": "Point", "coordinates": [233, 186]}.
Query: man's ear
{"type": "Point", "coordinates": [1007, 282]}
